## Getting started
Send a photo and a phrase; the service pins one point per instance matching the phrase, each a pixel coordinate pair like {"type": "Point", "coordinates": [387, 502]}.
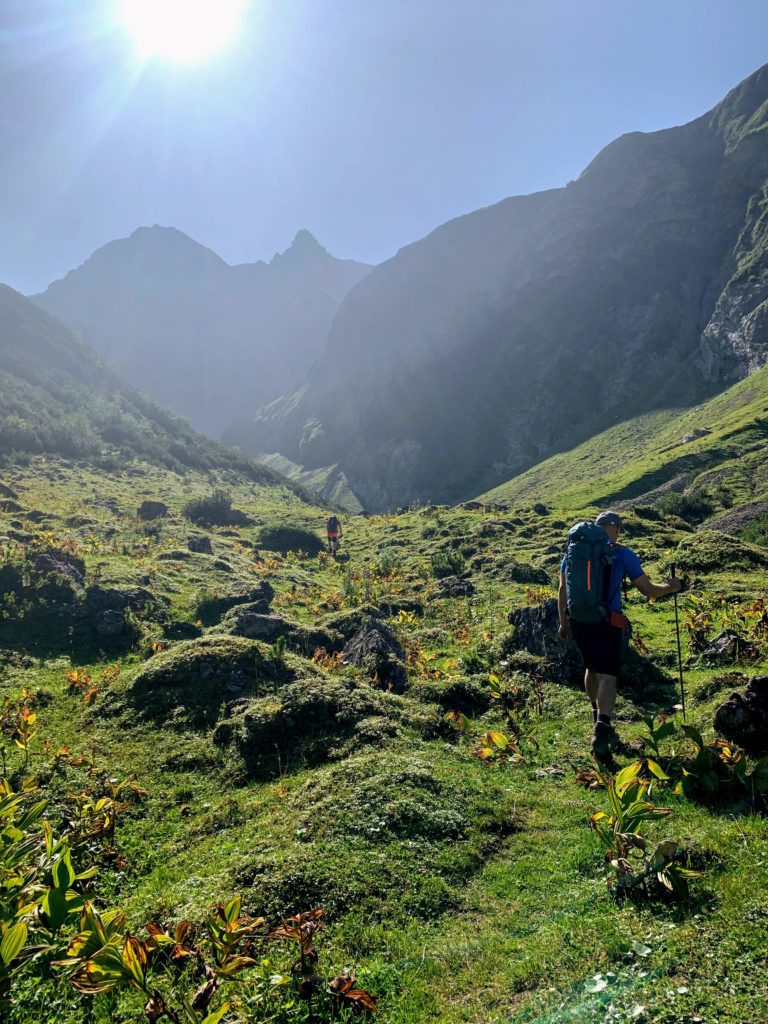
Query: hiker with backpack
{"type": "Point", "coordinates": [592, 572]}
{"type": "Point", "coordinates": [334, 532]}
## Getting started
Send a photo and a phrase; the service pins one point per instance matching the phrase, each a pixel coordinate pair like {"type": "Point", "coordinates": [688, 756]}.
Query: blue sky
{"type": "Point", "coordinates": [369, 122]}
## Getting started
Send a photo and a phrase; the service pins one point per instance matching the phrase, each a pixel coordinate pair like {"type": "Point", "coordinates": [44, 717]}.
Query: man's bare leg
{"type": "Point", "coordinates": [606, 694]}
{"type": "Point", "coordinates": [604, 737]}
{"type": "Point", "coordinates": [592, 685]}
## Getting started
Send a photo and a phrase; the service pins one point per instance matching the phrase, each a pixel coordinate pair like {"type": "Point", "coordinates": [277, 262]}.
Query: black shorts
{"type": "Point", "coordinates": [601, 645]}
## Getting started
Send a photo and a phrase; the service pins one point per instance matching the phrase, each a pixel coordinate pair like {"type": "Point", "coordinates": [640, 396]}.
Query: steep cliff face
{"type": "Point", "coordinates": [525, 328]}
{"type": "Point", "coordinates": [210, 340]}
{"type": "Point", "coordinates": [735, 341]}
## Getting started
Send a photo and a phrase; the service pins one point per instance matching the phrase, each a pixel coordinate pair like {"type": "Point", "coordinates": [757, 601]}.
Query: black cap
{"type": "Point", "coordinates": [608, 519]}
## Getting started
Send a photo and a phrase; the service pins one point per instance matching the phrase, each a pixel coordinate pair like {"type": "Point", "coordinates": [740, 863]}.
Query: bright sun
{"type": "Point", "coordinates": [181, 31]}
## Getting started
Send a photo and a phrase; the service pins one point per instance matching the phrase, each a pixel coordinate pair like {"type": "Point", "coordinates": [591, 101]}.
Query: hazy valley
{"type": "Point", "coordinates": [246, 781]}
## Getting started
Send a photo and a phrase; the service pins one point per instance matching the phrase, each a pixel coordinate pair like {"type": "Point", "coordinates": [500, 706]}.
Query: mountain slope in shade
{"type": "Point", "coordinates": [523, 329]}
{"type": "Point", "coordinates": [211, 341]}
{"type": "Point", "coordinates": [716, 449]}
{"type": "Point", "coordinates": [57, 397]}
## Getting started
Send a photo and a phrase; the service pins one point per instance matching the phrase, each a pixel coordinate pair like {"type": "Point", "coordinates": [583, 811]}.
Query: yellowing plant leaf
{"type": "Point", "coordinates": [13, 942]}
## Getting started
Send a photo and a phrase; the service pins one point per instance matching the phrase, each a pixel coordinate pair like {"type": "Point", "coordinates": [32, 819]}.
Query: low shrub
{"type": "Point", "coordinates": [447, 563]}
{"type": "Point", "coordinates": [213, 510]}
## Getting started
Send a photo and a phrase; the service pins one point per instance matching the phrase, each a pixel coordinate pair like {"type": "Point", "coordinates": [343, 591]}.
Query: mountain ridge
{"type": "Point", "coordinates": [632, 257]}
{"type": "Point", "coordinates": [157, 301]}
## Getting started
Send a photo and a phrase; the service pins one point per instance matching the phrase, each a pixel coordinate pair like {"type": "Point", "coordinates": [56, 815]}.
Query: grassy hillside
{"type": "Point", "coordinates": [717, 447]}
{"type": "Point", "coordinates": [58, 397]}
{"type": "Point", "coordinates": [459, 878]}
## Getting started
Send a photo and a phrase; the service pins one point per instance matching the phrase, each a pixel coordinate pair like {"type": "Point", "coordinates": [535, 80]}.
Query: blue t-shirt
{"type": "Point", "coordinates": [625, 563]}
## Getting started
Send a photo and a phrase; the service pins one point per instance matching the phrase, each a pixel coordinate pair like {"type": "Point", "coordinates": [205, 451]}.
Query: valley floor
{"type": "Point", "coordinates": [444, 830]}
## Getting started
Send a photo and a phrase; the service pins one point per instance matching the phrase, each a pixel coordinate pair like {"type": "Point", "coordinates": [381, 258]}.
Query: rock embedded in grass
{"type": "Point", "coordinates": [376, 650]}
{"type": "Point", "coordinates": [453, 586]}
{"type": "Point", "coordinates": [212, 606]}
{"type": "Point", "coordinates": [152, 510]}
{"type": "Point", "coordinates": [290, 538]}
{"type": "Point", "coordinates": [245, 621]}
{"type": "Point", "coordinates": [743, 717]}
{"type": "Point", "coordinates": [200, 545]}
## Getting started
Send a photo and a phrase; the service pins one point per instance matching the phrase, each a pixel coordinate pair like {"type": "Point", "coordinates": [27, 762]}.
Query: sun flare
{"type": "Point", "coordinates": [180, 31]}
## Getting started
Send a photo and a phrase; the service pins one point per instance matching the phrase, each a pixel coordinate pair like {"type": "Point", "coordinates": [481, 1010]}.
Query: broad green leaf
{"type": "Point", "coordinates": [54, 904]}
{"type": "Point", "coordinates": [215, 1017]}
{"type": "Point", "coordinates": [693, 733]}
{"type": "Point", "coordinates": [63, 872]}
{"type": "Point", "coordinates": [667, 729]}
{"type": "Point", "coordinates": [13, 942]}
{"type": "Point", "coordinates": [234, 965]}
{"type": "Point", "coordinates": [232, 910]}
{"type": "Point", "coordinates": [135, 958]}
{"type": "Point", "coordinates": [657, 770]}
{"type": "Point", "coordinates": [33, 814]}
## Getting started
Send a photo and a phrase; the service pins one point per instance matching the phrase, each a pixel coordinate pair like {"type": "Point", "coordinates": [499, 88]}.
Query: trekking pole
{"type": "Point", "coordinates": [679, 652]}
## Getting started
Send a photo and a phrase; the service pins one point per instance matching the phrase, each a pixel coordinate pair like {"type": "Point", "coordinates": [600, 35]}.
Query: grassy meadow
{"type": "Point", "coordinates": [444, 831]}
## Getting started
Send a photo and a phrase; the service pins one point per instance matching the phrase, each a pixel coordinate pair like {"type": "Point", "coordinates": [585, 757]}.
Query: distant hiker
{"type": "Point", "coordinates": [334, 532]}
{"type": "Point", "coordinates": [592, 572]}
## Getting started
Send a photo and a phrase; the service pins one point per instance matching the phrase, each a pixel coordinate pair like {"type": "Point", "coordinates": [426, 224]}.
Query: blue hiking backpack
{"type": "Point", "coordinates": [588, 562]}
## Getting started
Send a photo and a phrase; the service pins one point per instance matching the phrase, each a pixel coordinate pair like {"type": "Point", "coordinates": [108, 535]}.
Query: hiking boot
{"type": "Point", "coordinates": [605, 740]}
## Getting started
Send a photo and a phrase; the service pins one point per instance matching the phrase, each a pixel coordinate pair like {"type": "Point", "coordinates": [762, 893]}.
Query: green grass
{"type": "Point", "coordinates": [727, 437]}
{"type": "Point", "coordinates": [458, 891]}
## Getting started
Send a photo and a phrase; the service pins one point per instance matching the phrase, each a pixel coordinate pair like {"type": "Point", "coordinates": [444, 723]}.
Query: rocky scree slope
{"type": "Point", "coordinates": [210, 340]}
{"type": "Point", "coordinates": [525, 328]}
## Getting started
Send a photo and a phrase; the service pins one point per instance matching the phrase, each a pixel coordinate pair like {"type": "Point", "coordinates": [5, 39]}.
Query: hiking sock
{"type": "Point", "coordinates": [603, 720]}
{"type": "Point", "coordinates": [594, 714]}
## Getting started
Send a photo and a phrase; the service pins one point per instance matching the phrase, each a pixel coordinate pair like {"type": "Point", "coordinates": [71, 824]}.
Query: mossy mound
{"type": "Point", "coordinates": [380, 799]}
{"type": "Point", "coordinates": [45, 604]}
{"type": "Point", "coordinates": [394, 834]}
{"type": "Point", "coordinates": [211, 606]}
{"type": "Point", "coordinates": [712, 551]}
{"type": "Point", "coordinates": [190, 681]}
{"type": "Point", "coordinates": [290, 538]}
{"type": "Point", "coordinates": [470, 695]}
{"type": "Point", "coordinates": [314, 719]}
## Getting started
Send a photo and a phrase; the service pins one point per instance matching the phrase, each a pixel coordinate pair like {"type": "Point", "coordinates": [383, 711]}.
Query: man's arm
{"type": "Point", "coordinates": [562, 610]}
{"type": "Point", "coordinates": [656, 590]}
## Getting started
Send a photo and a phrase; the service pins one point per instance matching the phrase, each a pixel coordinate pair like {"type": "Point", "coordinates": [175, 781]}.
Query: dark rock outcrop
{"type": "Point", "coordinates": [393, 604]}
{"type": "Point", "coordinates": [181, 630]}
{"type": "Point", "coordinates": [152, 510]}
{"type": "Point", "coordinates": [453, 586]}
{"type": "Point", "coordinates": [536, 631]}
{"type": "Point", "coordinates": [244, 621]}
{"type": "Point", "coordinates": [60, 563]}
{"type": "Point", "coordinates": [376, 650]}
{"type": "Point", "coordinates": [728, 646]}
{"type": "Point", "coordinates": [743, 718]}
{"type": "Point", "coordinates": [200, 545]}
